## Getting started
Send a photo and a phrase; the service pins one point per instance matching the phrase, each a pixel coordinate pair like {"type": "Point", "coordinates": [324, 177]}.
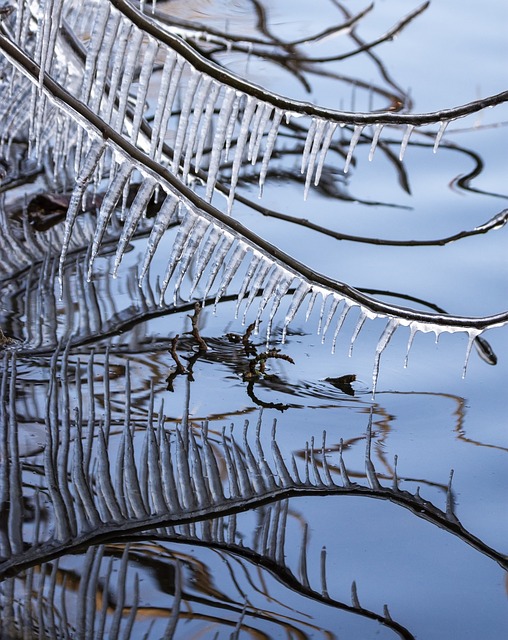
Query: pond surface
{"type": "Point", "coordinates": [380, 516]}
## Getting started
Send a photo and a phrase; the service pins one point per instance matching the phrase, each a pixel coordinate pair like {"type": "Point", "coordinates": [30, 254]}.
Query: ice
{"type": "Point", "coordinates": [358, 328]}
{"type": "Point", "coordinates": [234, 490]}
{"type": "Point", "coordinates": [168, 106]}
{"type": "Point", "coordinates": [95, 51]}
{"type": "Point", "coordinates": [316, 143]}
{"type": "Point", "coordinates": [123, 36]}
{"type": "Point", "coordinates": [375, 139]}
{"type": "Point", "coordinates": [251, 269]}
{"type": "Point", "coordinates": [168, 479]}
{"type": "Point", "coordinates": [256, 140]}
{"type": "Point", "coordinates": [127, 78]}
{"type": "Point", "coordinates": [183, 473]}
{"type": "Point", "coordinates": [381, 345]}
{"type": "Point", "coordinates": [137, 209]}
{"type": "Point", "coordinates": [81, 183]}
{"type": "Point", "coordinates": [182, 237]}
{"type": "Point", "coordinates": [50, 24]}
{"type": "Point", "coordinates": [163, 219]}
{"type": "Point", "coordinates": [405, 140]}
{"type": "Point", "coordinates": [270, 143]}
{"type": "Point", "coordinates": [345, 310]}
{"type": "Point", "coordinates": [413, 328]}
{"type": "Point", "coordinates": [205, 254]}
{"type": "Point", "coordinates": [327, 140]}
{"type": "Point", "coordinates": [143, 82]}
{"type": "Point", "coordinates": [219, 139]}
{"type": "Point", "coordinates": [280, 291]}
{"type": "Point", "coordinates": [200, 485]}
{"type": "Point", "coordinates": [308, 144]}
{"type": "Point", "coordinates": [298, 296]}
{"type": "Point", "coordinates": [231, 124]}
{"type": "Point", "coordinates": [472, 335]}
{"type": "Point", "coordinates": [240, 147]}
{"type": "Point", "coordinates": [222, 249]}
{"type": "Point", "coordinates": [165, 81]}
{"type": "Point", "coordinates": [331, 312]}
{"type": "Point", "coordinates": [195, 238]}
{"type": "Point", "coordinates": [312, 301]}
{"type": "Point", "coordinates": [256, 119]}
{"type": "Point", "coordinates": [269, 288]}
{"type": "Point", "coordinates": [357, 132]}
{"type": "Point", "coordinates": [109, 202]}
{"type": "Point", "coordinates": [440, 134]}
{"type": "Point", "coordinates": [202, 94]}
{"type": "Point", "coordinates": [232, 266]}
{"type": "Point", "coordinates": [183, 122]}
{"type": "Point", "coordinates": [257, 283]}
{"type": "Point", "coordinates": [211, 468]}
{"type": "Point", "coordinates": [207, 117]}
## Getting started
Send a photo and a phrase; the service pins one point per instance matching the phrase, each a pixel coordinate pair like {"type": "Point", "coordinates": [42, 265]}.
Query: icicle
{"type": "Point", "coordinates": [143, 82]}
{"type": "Point", "coordinates": [405, 140]}
{"type": "Point", "coordinates": [183, 122]}
{"type": "Point", "coordinates": [472, 334]}
{"type": "Point", "coordinates": [203, 131]}
{"type": "Point", "coordinates": [322, 312]}
{"type": "Point", "coordinates": [251, 269]}
{"type": "Point", "coordinates": [137, 209]}
{"type": "Point", "coordinates": [162, 99]}
{"type": "Point", "coordinates": [257, 283]}
{"type": "Point", "coordinates": [296, 301]}
{"type": "Point", "coordinates": [233, 263]}
{"type": "Point", "coordinates": [81, 183]}
{"type": "Point", "coordinates": [308, 144]}
{"type": "Point", "coordinates": [357, 132]}
{"type": "Point", "coordinates": [269, 288]}
{"type": "Point", "coordinates": [440, 134]}
{"type": "Point", "coordinates": [270, 143]}
{"type": "Point", "coordinates": [231, 125]}
{"type": "Point", "coordinates": [329, 317]}
{"type": "Point", "coordinates": [383, 341]}
{"type": "Point", "coordinates": [182, 237]}
{"type": "Point", "coordinates": [331, 126]}
{"type": "Point", "coordinates": [359, 325]}
{"type": "Point", "coordinates": [223, 248]}
{"type": "Point", "coordinates": [127, 78]}
{"type": "Point", "coordinates": [375, 139]}
{"type": "Point", "coordinates": [280, 291]}
{"type": "Point", "coordinates": [203, 93]}
{"type": "Point", "coordinates": [340, 322]}
{"type": "Point", "coordinates": [256, 119]}
{"type": "Point", "coordinates": [312, 300]}
{"type": "Point", "coordinates": [218, 142]}
{"type": "Point", "coordinates": [195, 239]}
{"type": "Point", "coordinates": [240, 147]}
{"type": "Point", "coordinates": [413, 328]}
{"type": "Point", "coordinates": [167, 106]}
{"type": "Point", "coordinates": [108, 204]}
{"type": "Point", "coordinates": [164, 218]}
{"type": "Point", "coordinates": [205, 255]}
{"type": "Point", "coordinates": [256, 140]}
{"type": "Point", "coordinates": [313, 155]}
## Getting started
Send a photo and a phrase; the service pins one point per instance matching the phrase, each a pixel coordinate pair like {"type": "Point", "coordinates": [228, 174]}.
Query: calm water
{"type": "Point", "coordinates": [260, 574]}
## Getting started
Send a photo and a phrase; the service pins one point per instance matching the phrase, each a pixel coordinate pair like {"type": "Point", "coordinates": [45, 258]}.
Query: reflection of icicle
{"type": "Point", "coordinates": [440, 135]}
{"type": "Point", "coordinates": [164, 218]}
{"type": "Point", "coordinates": [240, 147]}
{"type": "Point", "coordinates": [357, 132]}
{"type": "Point", "coordinates": [219, 139]}
{"type": "Point", "coordinates": [405, 140]}
{"type": "Point", "coordinates": [296, 301]}
{"type": "Point", "coordinates": [375, 139]}
{"type": "Point", "coordinates": [381, 345]}
{"type": "Point", "coordinates": [270, 143]}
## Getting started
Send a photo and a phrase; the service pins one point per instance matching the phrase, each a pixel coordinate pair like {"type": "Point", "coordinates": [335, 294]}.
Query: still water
{"type": "Point", "coordinates": [395, 524]}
